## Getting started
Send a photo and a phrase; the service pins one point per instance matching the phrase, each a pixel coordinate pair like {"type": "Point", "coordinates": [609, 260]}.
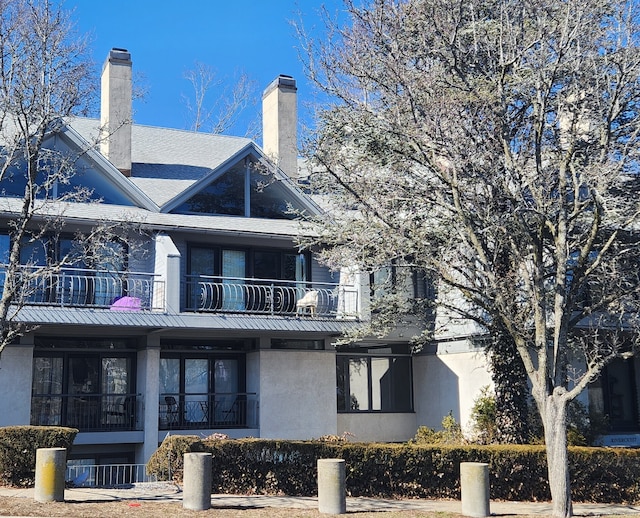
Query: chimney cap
{"type": "Point", "coordinates": [118, 54]}
{"type": "Point", "coordinates": [282, 82]}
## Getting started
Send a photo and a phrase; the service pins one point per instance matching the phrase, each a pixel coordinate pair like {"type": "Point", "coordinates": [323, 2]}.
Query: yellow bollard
{"type": "Point", "coordinates": [50, 467]}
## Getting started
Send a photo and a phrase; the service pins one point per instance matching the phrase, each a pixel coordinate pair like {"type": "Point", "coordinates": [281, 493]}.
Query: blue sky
{"type": "Point", "coordinates": [166, 38]}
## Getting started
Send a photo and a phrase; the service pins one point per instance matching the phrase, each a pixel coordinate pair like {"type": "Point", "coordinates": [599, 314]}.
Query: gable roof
{"type": "Point", "coordinates": [169, 165]}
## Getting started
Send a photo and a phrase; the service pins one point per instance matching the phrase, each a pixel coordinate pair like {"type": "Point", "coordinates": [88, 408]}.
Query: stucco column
{"type": "Point", "coordinates": [332, 494]}
{"type": "Point", "coordinates": [474, 486]}
{"type": "Point", "coordinates": [149, 386]}
{"type": "Point", "coordinates": [196, 492]}
{"type": "Point", "coordinates": [51, 464]}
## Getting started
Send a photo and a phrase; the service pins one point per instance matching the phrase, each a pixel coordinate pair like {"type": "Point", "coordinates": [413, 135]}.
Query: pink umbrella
{"type": "Point", "coordinates": [127, 304]}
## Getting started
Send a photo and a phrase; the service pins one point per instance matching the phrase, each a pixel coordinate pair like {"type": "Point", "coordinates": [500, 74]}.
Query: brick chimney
{"type": "Point", "coordinates": [279, 124]}
{"type": "Point", "coordinates": [115, 110]}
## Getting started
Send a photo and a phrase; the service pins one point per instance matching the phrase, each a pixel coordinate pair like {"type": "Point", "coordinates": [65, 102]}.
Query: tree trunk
{"type": "Point", "coordinates": [555, 433]}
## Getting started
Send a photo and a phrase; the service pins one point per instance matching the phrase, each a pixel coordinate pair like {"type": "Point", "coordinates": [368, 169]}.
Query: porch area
{"type": "Point", "coordinates": [88, 412]}
{"type": "Point", "coordinates": [81, 287]}
{"type": "Point", "coordinates": [208, 411]}
{"type": "Point", "coordinates": [270, 297]}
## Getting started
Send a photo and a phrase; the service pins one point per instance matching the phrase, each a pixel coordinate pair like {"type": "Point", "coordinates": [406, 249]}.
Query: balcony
{"type": "Point", "coordinates": [269, 297]}
{"type": "Point", "coordinates": [77, 287]}
{"type": "Point", "coordinates": [87, 412]}
{"type": "Point", "coordinates": [208, 411]}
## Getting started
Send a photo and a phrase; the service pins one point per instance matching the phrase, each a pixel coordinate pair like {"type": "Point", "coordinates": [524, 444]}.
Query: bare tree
{"type": "Point", "coordinates": [45, 76]}
{"type": "Point", "coordinates": [494, 143]}
{"type": "Point", "coordinates": [222, 113]}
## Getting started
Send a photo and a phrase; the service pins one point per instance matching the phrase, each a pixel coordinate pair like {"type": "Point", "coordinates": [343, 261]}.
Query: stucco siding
{"type": "Point", "coordinates": [16, 366]}
{"type": "Point", "coordinates": [378, 427]}
{"type": "Point", "coordinates": [297, 394]}
{"type": "Point", "coordinates": [446, 383]}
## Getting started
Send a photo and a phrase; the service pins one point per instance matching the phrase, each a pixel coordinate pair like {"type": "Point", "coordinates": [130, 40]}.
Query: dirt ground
{"type": "Point", "coordinates": [13, 506]}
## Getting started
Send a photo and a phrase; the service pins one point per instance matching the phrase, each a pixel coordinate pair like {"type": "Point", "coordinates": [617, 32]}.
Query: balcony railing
{"type": "Point", "coordinates": [208, 411]}
{"type": "Point", "coordinates": [269, 297]}
{"type": "Point", "coordinates": [77, 287]}
{"type": "Point", "coordinates": [87, 412]}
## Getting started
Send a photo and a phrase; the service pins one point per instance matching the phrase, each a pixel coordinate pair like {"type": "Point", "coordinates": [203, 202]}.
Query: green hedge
{"type": "Point", "coordinates": [18, 445]}
{"type": "Point", "coordinates": [255, 466]}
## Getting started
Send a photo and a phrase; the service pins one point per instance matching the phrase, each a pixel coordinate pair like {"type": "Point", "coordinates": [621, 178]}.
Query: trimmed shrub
{"type": "Point", "coordinates": [167, 462]}
{"type": "Point", "coordinates": [18, 445]}
{"type": "Point", "coordinates": [258, 466]}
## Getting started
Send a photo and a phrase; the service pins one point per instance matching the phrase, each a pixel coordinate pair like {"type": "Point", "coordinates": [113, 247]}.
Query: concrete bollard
{"type": "Point", "coordinates": [474, 486]}
{"type": "Point", "coordinates": [196, 491]}
{"type": "Point", "coordinates": [51, 464]}
{"type": "Point", "coordinates": [332, 493]}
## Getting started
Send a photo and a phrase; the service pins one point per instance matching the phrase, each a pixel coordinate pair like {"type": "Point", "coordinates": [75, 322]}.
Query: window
{"type": "Point", "coordinates": [417, 282]}
{"type": "Point", "coordinates": [378, 381]}
{"type": "Point", "coordinates": [243, 191]}
{"type": "Point", "coordinates": [308, 345]}
{"type": "Point", "coordinates": [620, 395]}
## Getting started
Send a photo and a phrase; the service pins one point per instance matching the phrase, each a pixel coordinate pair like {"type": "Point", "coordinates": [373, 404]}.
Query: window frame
{"type": "Point", "coordinates": [344, 392]}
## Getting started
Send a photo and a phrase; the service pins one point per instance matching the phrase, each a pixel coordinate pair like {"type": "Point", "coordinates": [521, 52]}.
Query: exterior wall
{"type": "Point", "coordinates": [378, 427]}
{"type": "Point", "coordinates": [167, 267]}
{"type": "Point", "coordinates": [16, 367]}
{"type": "Point", "coordinates": [446, 383]}
{"type": "Point", "coordinates": [297, 394]}
{"type": "Point", "coordinates": [148, 384]}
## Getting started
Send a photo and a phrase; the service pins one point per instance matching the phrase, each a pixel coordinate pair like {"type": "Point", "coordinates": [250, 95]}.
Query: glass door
{"type": "Point", "coordinates": [202, 293]}
{"type": "Point", "coordinates": [84, 389]}
{"type": "Point", "coordinates": [233, 273]}
{"type": "Point", "coordinates": [118, 406]}
{"type": "Point", "coordinates": [196, 388]}
{"type": "Point", "coordinates": [228, 406]}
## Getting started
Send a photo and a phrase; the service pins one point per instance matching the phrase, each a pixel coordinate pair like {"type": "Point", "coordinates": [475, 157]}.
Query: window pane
{"type": "Point", "coordinates": [224, 195]}
{"type": "Point", "coordinates": [271, 199]}
{"type": "Point", "coordinates": [202, 261]}
{"type": "Point", "coordinates": [620, 395]}
{"type": "Point", "coordinates": [196, 387]}
{"type": "Point", "coordinates": [169, 376]}
{"type": "Point", "coordinates": [84, 385]}
{"type": "Point", "coordinates": [34, 253]}
{"type": "Point", "coordinates": [380, 383]}
{"type": "Point", "coordinates": [5, 245]}
{"type": "Point", "coordinates": [46, 408]}
{"type": "Point", "coordinates": [358, 384]}
{"type": "Point", "coordinates": [266, 265]}
{"type": "Point", "coordinates": [401, 386]}
{"type": "Point", "coordinates": [226, 388]}
{"type": "Point", "coordinates": [380, 282]}
{"type": "Point", "coordinates": [201, 293]}
{"type": "Point", "coordinates": [115, 375]}
{"type": "Point", "coordinates": [234, 266]}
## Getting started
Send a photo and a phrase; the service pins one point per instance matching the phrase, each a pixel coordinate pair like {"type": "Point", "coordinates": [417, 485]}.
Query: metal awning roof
{"type": "Point", "coordinates": [145, 320]}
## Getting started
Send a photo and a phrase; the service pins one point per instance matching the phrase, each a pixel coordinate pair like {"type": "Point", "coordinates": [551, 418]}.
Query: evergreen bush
{"type": "Point", "coordinates": [18, 445]}
{"type": "Point", "coordinates": [407, 470]}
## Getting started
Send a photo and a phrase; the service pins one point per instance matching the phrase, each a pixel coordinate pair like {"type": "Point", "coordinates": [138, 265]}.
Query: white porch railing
{"type": "Point", "coordinates": [79, 474]}
{"type": "Point", "coordinates": [269, 297]}
{"type": "Point", "coordinates": [77, 287]}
